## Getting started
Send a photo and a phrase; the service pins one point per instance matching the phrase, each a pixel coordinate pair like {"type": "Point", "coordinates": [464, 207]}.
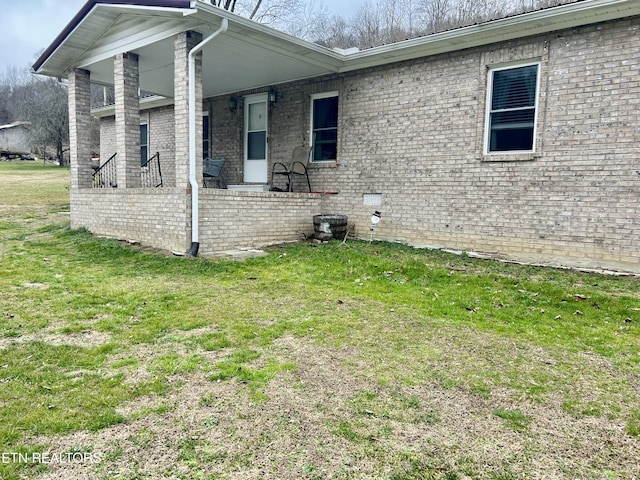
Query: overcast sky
{"type": "Point", "coordinates": [29, 26]}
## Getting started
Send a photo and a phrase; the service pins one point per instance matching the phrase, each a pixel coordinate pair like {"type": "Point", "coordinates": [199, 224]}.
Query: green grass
{"type": "Point", "coordinates": [633, 425]}
{"type": "Point", "coordinates": [412, 320]}
{"type": "Point", "coordinates": [59, 389]}
{"type": "Point", "coordinates": [515, 418]}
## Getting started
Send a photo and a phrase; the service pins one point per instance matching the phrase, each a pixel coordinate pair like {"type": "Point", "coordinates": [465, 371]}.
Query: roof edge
{"type": "Point", "coordinates": [146, 103]}
{"type": "Point", "coordinates": [88, 7]}
{"type": "Point", "coordinates": [19, 123]}
{"type": "Point", "coordinates": [492, 31]}
{"type": "Point", "coordinates": [205, 6]}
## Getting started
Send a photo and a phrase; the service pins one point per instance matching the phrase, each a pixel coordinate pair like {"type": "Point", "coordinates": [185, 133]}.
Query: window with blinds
{"type": "Point", "coordinates": [512, 105]}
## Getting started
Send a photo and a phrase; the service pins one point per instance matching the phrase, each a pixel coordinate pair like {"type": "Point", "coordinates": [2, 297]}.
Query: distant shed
{"type": "Point", "coordinates": [14, 139]}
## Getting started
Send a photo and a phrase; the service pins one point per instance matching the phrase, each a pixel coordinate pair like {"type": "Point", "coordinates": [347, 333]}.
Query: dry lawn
{"type": "Point", "coordinates": [379, 362]}
{"type": "Point", "coordinates": [332, 419]}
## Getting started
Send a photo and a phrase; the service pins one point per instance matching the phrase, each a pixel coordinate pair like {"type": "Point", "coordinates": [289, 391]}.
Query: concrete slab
{"type": "Point", "coordinates": [240, 253]}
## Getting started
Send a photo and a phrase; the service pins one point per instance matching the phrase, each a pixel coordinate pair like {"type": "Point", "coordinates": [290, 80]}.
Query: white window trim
{"type": "Point", "coordinates": [487, 121]}
{"type": "Point", "coordinates": [317, 96]}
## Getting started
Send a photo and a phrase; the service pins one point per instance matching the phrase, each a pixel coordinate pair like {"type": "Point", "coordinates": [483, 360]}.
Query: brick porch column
{"type": "Point", "coordinates": [126, 79]}
{"type": "Point", "coordinates": [80, 128]}
{"type": "Point", "coordinates": [183, 43]}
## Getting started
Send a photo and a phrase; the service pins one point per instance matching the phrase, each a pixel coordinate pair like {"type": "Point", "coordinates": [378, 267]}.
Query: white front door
{"type": "Point", "coordinates": [255, 138]}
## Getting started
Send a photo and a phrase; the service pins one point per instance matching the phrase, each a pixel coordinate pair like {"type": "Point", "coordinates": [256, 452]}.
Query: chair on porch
{"type": "Point", "coordinates": [211, 169]}
{"type": "Point", "coordinates": [299, 162]}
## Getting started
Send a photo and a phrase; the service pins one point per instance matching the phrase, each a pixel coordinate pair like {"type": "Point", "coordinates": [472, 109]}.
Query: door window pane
{"type": "Point", "coordinates": [257, 116]}
{"type": "Point", "coordinates": [257, 146]}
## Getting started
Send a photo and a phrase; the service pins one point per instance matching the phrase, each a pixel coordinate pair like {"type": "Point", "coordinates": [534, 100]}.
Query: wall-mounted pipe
{"type": "Point", "coordinates": [193, 181]}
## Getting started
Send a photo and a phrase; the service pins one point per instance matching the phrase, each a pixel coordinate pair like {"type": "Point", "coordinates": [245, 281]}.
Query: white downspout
{"type": "Point", "coordinates": [193, 181]}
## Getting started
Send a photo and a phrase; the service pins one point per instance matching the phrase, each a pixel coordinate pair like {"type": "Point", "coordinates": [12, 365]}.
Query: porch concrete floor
{"type": "Point", "coordinates": [241, 253]}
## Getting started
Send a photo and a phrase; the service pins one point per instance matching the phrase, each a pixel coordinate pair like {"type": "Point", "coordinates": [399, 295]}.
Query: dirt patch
{"type": "Point", "coordinates": [86, 338]}
{"type": "Point", "coordinates": [39, 286]}
{"type": "Point", "coordinates": [331, 419]}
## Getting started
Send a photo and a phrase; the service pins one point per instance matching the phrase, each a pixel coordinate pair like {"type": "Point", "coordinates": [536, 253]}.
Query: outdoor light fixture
{"type": "Point", "coordinates": [273, 98]}
{"type": "Point", "coordinates": [233, 104]}
{"type": "Point", "coordinates": [375, 219]}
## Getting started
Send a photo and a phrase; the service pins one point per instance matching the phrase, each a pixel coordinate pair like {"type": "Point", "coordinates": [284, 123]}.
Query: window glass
{"type": "Point", "coordinates": [205, 136]}
{"type": "Point", "coordinates": [512, 111]}
{"type": "Point", "coordinates": [257, 145]}
{"type": "Point", "coordinates": [325, 129]}
{"type": "Point", "coordinates": [325, 112]}
{"type": "Point", "coordinates": [144, 144]}
{"type": "Point", "coordinates": [258, 116]}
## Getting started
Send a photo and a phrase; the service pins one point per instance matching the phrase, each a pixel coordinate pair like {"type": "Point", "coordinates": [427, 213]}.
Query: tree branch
{"type": "Point", "coordinates": [255, 9]}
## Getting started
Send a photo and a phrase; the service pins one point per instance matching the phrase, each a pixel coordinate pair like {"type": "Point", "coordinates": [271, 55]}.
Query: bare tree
{"type": "Point", "coordinates": [298, 17]}
{"type": "Point", "coordinates": [367, 26]}
{"type": "Point", "coordinates": [335, 31]}
{"type": "Point", "coordinates": [387, 21]}
{"type": "Point", "coordinates": [226, 4]}
{"type": "Point", "coordinates": [373, 24]}
{"type": "Point", "coordinates": [46, 108]}
{"type": "Point", "coordinates": [304, 20]}
{"type": "Point", "coordinates": [6, 110]}
{"type": "Point", "coordinates": [397, 20]}
{"type": "Point", "coordinates": [433, 14]}
{"type": "Point", "coordinates": [102, 95]}
{"type": "Point", "coordinates": [531, 5]}
{"type": "Point", "coordinates": [12, 82]}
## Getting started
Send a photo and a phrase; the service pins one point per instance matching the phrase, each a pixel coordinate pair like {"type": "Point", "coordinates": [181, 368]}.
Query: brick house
{"type": "Point", "coordinates": [519, 136]}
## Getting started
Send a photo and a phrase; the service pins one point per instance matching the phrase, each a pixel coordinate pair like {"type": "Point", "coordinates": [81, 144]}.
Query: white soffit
{"type": "Point", "coordinates": [231, 64]}
{"type": "Point", "coordinates": [109, 29]}
{"type": "Point", "coordinates": [250, 55]}
{"type": "Point", "coordinates": [129, 31]}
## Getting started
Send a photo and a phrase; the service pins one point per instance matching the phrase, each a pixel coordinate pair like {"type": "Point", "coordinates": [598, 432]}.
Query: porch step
{"type": "Point", "coordinates": [250, 187]}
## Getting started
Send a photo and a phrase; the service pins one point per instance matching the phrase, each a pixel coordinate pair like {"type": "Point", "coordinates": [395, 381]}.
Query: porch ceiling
{"type": "Point", "coordinates": [248, 55]}
{"type": "Point", "coordinates": [251, 55]}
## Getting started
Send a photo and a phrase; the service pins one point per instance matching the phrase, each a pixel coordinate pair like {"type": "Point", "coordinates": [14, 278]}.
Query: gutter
{"type": "Point", "coordinates": [193, 181]}
{"type": "Point", "coordinates": [537, 22]}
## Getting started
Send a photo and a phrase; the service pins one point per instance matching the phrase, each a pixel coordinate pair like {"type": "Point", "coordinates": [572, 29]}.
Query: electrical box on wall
{"type": "Point", "coordinates": [372, 199]}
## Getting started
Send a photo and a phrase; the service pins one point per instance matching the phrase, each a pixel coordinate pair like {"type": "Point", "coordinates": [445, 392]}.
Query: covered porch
{"type": "Point", "coordinates": [191, 81]}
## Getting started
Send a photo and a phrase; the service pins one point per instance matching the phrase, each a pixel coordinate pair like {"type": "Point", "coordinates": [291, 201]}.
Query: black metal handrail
{"type": "Point", "coordinates": [105, 176]}
{"type": "Point", "coordinates": [151, 175]}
